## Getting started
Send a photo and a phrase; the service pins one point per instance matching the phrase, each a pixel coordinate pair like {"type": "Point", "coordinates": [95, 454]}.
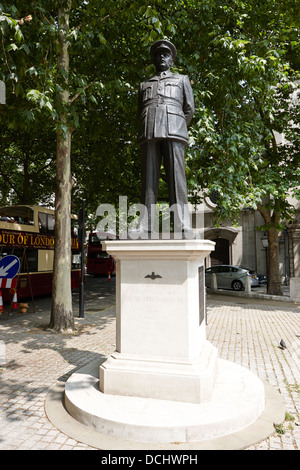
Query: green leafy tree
{"type": "Point", "coordinates": [244, 62]}
{"type": "Point", "coordinates": [78, 64]}
{"type": "Point", "coordinates": [27, 171]}
{"type": "Point", "coordinates": [71, 55]}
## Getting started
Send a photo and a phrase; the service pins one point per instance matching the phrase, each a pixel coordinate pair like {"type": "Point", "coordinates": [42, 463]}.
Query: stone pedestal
{"type": "Point", "coordinates": [295, 288]}
{"type": "Point", "coordinates": [161, 350]}
{"type": "Point", "coordinates": [164, 383]}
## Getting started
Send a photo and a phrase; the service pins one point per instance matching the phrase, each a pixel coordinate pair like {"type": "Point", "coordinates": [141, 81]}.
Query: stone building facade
{"type": "Point", "coordinates": [243, 244]}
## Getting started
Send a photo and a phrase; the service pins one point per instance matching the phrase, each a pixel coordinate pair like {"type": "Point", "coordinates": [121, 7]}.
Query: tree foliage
{"type": "Point", "coordinates": [248, 74]}
{"type": "Point", "coordinates": [242, 57]}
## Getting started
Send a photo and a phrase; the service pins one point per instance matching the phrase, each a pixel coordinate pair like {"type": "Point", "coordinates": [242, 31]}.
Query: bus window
{"type": "Point", "coordinates": [17, 214]}
{"type": "Point", "coordinates": [36, 240]}
{"type": "Point", "coordinates": [98, 260]}
{"type": "Point", "coordinates": [74, 227]}
{"type": "Point", "coordinates": [76, 261]}
{"type": "Point", "coordinates": [46, 222]}
{"type": "Point", "coordinates": [95, 241]}
{"type": "Point", "coordinates": [31, 256]}
{"type": "Point", "coordinates": [32, 261]}
{"type": "Point", "coordinates": [42, 222]}
{"type": "Point", "coordinates": [51, 223]}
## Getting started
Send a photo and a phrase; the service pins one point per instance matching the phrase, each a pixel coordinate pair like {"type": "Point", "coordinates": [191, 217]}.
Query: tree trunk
{"type": "Point", "coordinates": [26, 180]}
{"type": "Point", "coordinates": [274, 283]}
{"type": "Point", "coordinates": [62, 318]}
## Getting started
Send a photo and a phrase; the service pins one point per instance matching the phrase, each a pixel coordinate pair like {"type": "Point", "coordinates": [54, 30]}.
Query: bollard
{"type": "Point", "coordinates": [214, 284]}
{"type": "Point", "coordinates": [248, 285]}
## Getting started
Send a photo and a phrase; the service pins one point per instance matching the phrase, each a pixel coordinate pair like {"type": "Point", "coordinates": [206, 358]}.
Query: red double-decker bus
{"type": "Point", "coordinates": [98, 260]}
{"type": "Point", "coordinates": [28, 233]}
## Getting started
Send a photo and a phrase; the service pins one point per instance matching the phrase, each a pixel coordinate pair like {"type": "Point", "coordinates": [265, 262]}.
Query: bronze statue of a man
{"type": "Point", "coordinates": [166, 107]}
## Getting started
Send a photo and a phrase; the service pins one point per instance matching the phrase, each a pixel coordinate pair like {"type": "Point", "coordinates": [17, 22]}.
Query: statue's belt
{"type": "Point", "coordinates": [162, 101]}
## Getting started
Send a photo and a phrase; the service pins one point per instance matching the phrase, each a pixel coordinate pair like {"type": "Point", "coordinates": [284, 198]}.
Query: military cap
{"type": "Point", "coordinates": [163, 44]}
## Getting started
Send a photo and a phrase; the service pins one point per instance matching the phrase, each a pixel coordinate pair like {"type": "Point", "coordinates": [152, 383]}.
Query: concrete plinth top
{"type": "Point", "coordinates": [163, 249]}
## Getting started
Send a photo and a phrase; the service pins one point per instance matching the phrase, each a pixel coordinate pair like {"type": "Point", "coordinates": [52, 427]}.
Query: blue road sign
{"type": "Point", "coordinates": [9, 266]}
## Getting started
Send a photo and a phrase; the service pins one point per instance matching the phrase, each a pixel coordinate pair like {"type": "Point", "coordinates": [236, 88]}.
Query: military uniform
{"type": "Point", "coordinates": [166, 107]}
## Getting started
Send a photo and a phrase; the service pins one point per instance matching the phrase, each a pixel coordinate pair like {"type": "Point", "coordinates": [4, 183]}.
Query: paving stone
{"type": "Point", "coordinates": [245, 331]}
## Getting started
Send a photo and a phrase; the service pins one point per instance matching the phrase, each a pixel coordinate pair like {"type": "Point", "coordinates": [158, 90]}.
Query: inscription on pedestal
{"type": "Point", "coordinates": [147, 298]}
{"type": "Point", "coordinates": [162, 351]}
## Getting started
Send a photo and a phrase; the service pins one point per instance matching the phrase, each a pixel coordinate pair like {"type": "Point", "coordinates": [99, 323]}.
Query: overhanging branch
{"type": "Point", "coordinates": [76, 96]}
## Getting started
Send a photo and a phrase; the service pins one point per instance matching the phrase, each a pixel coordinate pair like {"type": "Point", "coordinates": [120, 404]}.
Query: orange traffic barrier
{"type": "Point", "coordinates": [14, 305]}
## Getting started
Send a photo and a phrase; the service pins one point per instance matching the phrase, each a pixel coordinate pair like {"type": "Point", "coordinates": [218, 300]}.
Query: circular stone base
{"type": "Point", "coordinates": [238, 401]}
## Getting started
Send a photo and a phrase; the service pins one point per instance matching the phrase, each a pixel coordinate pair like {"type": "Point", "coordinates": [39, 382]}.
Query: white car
{"type": "Point", "coordinates": [230, 277]}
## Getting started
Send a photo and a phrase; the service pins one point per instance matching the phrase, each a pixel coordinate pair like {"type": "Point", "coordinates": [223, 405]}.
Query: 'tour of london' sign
{"type": "Point", "coordinates": [30, 240]}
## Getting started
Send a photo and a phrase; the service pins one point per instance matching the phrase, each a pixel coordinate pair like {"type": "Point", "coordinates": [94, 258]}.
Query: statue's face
{"type": "Point", "coordinates": [162, 59]}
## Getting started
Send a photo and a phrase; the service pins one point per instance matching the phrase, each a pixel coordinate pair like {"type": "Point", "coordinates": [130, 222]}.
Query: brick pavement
{"type": "Point", "coordinates": [244, 331]}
